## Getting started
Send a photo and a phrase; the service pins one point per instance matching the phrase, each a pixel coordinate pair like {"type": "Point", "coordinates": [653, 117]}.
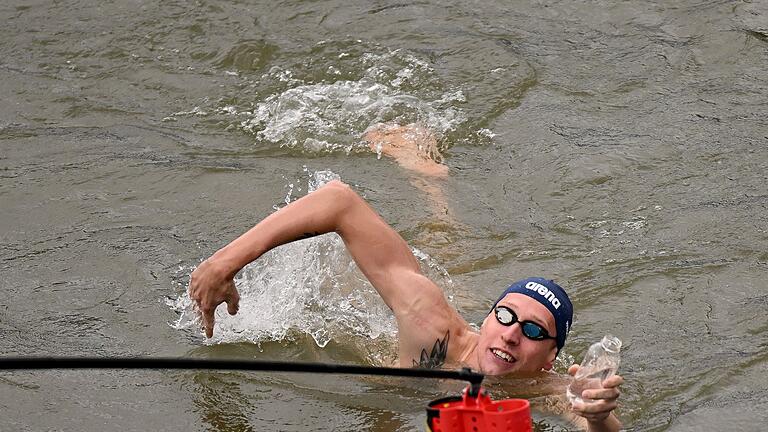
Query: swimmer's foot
{"type": "Point", "coordinates": [412, 146]}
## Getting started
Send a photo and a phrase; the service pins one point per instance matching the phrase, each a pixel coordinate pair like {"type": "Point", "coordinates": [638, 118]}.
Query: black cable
{"type": "Point", "coordinates": [37, 363]}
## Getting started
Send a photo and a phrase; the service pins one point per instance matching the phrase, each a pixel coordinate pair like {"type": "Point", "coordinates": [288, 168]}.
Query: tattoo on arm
{"type": "Point", "coordinates": [437, 357]}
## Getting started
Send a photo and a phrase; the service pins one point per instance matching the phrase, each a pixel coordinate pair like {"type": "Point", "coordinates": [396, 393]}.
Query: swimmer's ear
{"type": "Point", "coordinates": [550, 359]}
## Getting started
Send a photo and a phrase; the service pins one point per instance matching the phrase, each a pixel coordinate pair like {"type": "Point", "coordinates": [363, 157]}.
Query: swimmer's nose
{"type": "Point", "coordinates": [512, 334]}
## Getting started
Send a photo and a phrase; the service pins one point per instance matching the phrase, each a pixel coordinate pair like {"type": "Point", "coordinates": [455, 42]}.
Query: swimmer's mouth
{"type": "Point", "coordinates": [503, 355]}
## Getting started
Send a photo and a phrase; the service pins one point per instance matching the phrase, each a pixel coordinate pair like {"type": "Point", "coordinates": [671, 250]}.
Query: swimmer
{"type": "Point", "coordinates": [523, 332]}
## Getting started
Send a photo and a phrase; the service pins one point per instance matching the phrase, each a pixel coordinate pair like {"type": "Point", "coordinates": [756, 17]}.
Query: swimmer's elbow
{"type": "Point", "coordinates": [343, 197]}
{"type": "Point", "coordinates": [340, 192]}
{"type": "Point", "coordinates": [337, 185]}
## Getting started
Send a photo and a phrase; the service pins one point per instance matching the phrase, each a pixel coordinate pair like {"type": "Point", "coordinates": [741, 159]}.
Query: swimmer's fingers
{"type": "Point", "coordinates": [233, 300]}
{"type": "Point", "coordinates": [209, 304]}
{"type": "Point", "coordinates": [613, 381]}
{"type": "Point", "coordinates": [599, 403]}
{"type": "Point", "coordinates": [209, 287]}
{"type": "Point", "coordinates": [606, 394]}
{"type": "Point", "coordinates": [208, 320]}
{"type": "Point", "coordinates": [595, 411]}
{"type": "Point", "coordinates": [595, 407]}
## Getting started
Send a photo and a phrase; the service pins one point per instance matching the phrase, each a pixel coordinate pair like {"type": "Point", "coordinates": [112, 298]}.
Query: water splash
{"type": "Point", "coordinates": [328, 117]}
{"type": "Point", "coordinates": [311, 287]}
{"type": "Point", "coordinates": [327, 107]}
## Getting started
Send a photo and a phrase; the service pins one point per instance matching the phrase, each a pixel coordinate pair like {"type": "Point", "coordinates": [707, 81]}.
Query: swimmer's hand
{"type": "Point", "coordinates": [599, 412]}
{"type": "Point", "coordinates": [211, 285]}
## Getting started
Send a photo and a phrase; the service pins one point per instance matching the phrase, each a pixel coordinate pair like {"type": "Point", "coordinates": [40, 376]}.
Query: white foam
{"type": "Point", "coordinates": [323, 117]}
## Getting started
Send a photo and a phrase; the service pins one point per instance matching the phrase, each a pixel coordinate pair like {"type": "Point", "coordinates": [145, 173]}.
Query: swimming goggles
{"type": "Point", "coordinates": [506, 317]}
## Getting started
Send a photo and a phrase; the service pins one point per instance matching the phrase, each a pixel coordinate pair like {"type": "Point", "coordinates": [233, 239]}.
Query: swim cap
{"type": "Point", "coordinates": [552, 296]}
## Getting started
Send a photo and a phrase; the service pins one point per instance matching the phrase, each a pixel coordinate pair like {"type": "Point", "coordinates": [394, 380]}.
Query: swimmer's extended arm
{"type": "Point", "coordinates": [382, 255]}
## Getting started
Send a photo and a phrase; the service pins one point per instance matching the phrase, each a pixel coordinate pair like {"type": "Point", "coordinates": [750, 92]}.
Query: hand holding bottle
{"type": "Point", "coordinates": [595, 389]}
{"type": "Point", "coordinates": [597, 404]}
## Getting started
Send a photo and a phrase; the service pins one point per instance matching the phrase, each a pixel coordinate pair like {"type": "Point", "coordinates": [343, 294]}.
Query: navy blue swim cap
{"type": "Point", "coordinates": [552, 296]}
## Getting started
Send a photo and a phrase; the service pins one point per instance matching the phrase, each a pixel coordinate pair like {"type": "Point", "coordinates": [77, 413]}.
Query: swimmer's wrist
{"type": "Point", "coordinates": [226, 262]}
{"type": "Point", "coordinates": [608, 424]}
{"type": "Point", "coordinates": [240, 252]}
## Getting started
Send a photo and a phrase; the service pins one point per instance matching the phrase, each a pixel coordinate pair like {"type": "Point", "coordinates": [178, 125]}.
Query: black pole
{"type": "Point", "coordinates": [38, 363]}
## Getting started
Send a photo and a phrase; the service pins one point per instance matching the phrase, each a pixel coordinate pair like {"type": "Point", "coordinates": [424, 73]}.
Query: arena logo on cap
{"type": "Point", "coordinates": [545, 292]}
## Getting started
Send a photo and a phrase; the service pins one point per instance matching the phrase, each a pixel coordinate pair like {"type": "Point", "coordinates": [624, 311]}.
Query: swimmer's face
{"type": "Point", "coordinates": [503, 349]}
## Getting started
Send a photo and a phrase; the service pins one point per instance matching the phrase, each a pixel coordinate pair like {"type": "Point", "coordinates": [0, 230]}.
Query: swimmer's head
{"type": "Point", "coordinates": [550, 295]}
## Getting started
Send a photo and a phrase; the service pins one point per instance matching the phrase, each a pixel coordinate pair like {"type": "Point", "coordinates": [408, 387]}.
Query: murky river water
{"type": "Point", "coordinates": [618, 147]}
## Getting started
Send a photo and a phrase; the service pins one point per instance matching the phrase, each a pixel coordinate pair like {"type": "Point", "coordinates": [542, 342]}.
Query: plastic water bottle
{"type": "Point", "coordinates": [600, 362]}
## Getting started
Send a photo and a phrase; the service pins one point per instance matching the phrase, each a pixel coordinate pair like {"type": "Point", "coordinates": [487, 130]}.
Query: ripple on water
{"type": "Point", "coordinates": [248, 56]}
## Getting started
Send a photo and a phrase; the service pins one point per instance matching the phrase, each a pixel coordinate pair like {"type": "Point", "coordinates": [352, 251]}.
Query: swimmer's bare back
{"type": "Point", "coordinates": [412, 146]}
